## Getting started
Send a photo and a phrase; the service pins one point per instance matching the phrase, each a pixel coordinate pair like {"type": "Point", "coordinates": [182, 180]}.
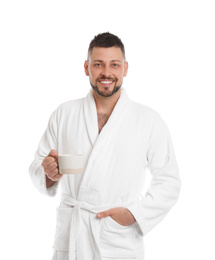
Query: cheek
{"type": "Point", "coordinates": [120, 76]}
{"type": "Point", "coordinates": [92, 74]}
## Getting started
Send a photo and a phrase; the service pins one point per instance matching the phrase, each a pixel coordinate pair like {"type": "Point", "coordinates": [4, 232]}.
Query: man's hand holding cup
{"type": "Point", "coordinates": [51, 169]}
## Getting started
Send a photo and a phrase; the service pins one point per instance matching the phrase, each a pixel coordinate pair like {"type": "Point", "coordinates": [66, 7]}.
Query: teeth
{"type": "Point", "coordinates": [106, 82]}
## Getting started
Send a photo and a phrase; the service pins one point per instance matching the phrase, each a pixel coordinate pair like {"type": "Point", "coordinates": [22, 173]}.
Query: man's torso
{"type": "Point", "coordinates": [102, 120]}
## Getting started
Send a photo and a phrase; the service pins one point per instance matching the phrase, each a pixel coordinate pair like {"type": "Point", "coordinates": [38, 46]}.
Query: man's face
{"type": "Point", "coordinates": [106, 68]}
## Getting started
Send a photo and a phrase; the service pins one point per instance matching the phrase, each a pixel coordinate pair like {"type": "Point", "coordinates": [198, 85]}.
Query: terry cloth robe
{"type": "Point", "coordinates": [115, 161]}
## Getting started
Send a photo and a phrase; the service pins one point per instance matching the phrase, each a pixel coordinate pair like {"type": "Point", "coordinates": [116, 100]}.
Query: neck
{"type": "Point", "coordinates": [105, 105]}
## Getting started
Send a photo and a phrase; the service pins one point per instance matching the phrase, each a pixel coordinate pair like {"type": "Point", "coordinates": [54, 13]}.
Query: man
{"type": "Point", "coordinates": [102, 214]}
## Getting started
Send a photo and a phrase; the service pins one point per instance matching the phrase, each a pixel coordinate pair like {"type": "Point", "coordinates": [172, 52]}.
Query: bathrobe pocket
{"type": "Point", "coordinates": [62, 233]}
{"type": "Point", "coordinates": [117, 240]}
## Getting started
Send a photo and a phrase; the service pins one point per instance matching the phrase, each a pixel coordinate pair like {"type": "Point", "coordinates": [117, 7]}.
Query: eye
{"type": "Point", "coordinates": [115, 65]}
{"type": "Point", "coordinates": [97, 65]}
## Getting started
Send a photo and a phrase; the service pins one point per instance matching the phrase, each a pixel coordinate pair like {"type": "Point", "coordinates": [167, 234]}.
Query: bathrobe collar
{"type": "Point", "coordinates": [90, 114]}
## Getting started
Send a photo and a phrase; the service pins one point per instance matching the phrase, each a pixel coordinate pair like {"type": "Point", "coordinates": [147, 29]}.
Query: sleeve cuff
{"type": "Point", "coordinates": [52, 191]}
{"type": "Point", "coordinates": [135, 211]}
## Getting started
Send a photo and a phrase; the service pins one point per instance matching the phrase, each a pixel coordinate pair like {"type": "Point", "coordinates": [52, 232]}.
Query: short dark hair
{"type": "Point", "coordinates": [106, 40]}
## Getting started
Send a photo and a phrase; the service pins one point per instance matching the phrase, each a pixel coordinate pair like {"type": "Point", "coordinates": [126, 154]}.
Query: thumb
{"type": "Point", "coordinates": [105, 214]}
{"type": "Point", "coordinates": [53, 153]}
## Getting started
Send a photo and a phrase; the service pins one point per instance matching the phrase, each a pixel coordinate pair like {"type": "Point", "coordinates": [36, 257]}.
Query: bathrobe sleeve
{"type": "Point", "coordinates": [165, 185]}
{"type": "Point", "coordinates": [47, 143]}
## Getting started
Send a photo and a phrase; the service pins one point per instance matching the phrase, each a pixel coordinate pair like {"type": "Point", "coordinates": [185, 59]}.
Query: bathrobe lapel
{"type": "Point", "coordinates": [90, 114]}
{"type": "Point", "coordinates": [98, 141]}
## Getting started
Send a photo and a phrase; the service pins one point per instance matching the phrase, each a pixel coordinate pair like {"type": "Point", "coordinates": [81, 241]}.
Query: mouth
{"type": "Point", "coordinates": [106, 82]}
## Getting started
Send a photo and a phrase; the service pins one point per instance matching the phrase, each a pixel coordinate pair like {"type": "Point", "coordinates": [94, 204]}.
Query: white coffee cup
{"type": "Point", "coordinates": [70, 163]}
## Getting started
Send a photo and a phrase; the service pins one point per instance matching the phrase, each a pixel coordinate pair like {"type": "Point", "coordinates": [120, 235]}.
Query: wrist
{"type": "Point", "coordinates": [49, 182]}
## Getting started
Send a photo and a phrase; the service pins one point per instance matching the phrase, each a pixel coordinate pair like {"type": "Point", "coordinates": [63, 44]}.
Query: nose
{"type": "Point", "coordinates": [106, 73]}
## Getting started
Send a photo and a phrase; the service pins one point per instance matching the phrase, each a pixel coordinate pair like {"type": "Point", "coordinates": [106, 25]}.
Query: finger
{"type": "Point", "coordinates": [51, 172]}
{"type": "Point", "coordinates": [105, 214]}
{"type": "Point", "coordinates": [52, 166]}
{"type": "Point", "coordinates": [53, 156]}
{"type": "Point", "coordinates": [54, 175]}
{"type": "Point", "coordinates": [48, 161]}
{"type": "Point", "coordinates": [57, 177]}
{"type": "Point", "coordinates": [53, 153]}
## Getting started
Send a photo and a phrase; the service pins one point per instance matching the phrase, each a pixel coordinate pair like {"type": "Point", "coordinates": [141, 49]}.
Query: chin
{"type": "Point", "coordinates": [107, 93]}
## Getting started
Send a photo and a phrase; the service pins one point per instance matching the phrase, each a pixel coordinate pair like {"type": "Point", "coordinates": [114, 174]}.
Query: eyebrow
{"type": "Point", "coordinates": [111, 61]}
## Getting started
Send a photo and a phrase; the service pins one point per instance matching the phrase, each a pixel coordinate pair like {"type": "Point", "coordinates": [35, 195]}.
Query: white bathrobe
{"type": "Point", "coordinates": [115, 161]}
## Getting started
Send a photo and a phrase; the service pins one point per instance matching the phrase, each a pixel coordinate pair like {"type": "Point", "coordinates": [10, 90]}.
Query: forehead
{"type": "Point", "coordinates": [106, 54]}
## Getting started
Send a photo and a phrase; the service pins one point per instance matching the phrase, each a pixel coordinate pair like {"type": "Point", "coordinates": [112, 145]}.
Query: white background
{"type": "Point", "coordinates": [171, 54]}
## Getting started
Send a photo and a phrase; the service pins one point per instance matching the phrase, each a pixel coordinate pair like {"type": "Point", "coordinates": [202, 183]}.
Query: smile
{"type": "Point", "coordinates": [106, 82]}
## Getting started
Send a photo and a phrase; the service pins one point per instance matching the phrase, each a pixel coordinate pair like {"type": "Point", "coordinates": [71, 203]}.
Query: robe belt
{"type": "Point", "coordinates": [75, 228]}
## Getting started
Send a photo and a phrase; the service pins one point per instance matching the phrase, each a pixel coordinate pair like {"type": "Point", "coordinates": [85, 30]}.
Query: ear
{"type": "Point", "coordinates": [125, 69]}
{"type": "Point", "coordinates": [86, 66]}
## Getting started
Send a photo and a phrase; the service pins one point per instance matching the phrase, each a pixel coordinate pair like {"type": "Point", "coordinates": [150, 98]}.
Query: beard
{"type": "Point", "coordinates": [106, 93]}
